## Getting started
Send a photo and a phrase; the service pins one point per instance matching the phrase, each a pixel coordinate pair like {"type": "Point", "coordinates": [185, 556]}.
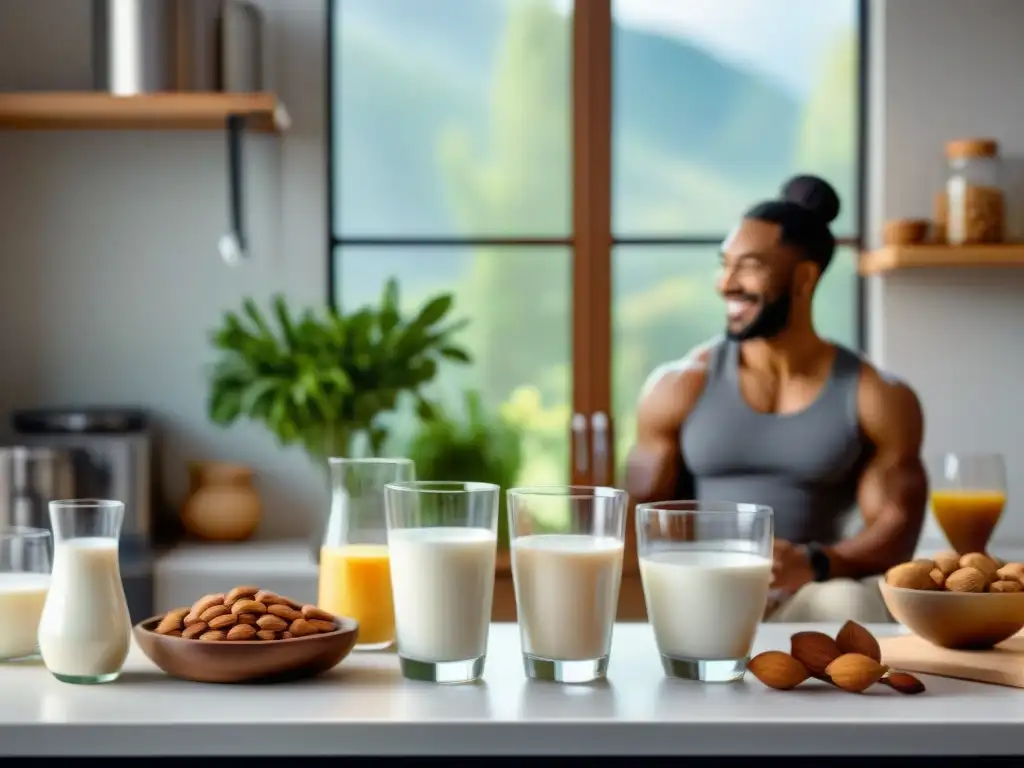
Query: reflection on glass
{"type": "Point", "coordinates": [518, 300]}
{"type": "Point", "coordinates": [452, 118]}
{"type": "Point", "coordinates": [24, 583]}
{"type": "Point", "coordinates": [712, 112]}
{"type": "Point", "coordinates": [664, 303]}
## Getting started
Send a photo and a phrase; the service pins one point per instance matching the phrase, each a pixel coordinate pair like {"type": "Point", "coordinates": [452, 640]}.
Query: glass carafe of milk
{"type": "Point", "coordinates": [85, 629]}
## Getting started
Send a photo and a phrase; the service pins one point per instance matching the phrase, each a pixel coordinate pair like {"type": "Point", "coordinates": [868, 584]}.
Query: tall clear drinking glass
{"type": "Point", "coordinates": [443, 540]}
{"type": "Point", "coordinates": [85, 629]}
{"type": "Point", "coordinates": [706, 568]}
{"type": "Point", "coordinates": [355, 571]}
{"type": "Point", "coordinates": [567, 545]}
{"type": "Point", "coordinates": [968, 494]}
{"type": "Point", "coordinates": [24, 582]}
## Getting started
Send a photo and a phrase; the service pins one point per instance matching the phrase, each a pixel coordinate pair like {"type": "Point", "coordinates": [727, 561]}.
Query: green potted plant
{"type": "Point", "coordinates": [322, 379]}
{"type": "Point", "coordinates": [477, 446]}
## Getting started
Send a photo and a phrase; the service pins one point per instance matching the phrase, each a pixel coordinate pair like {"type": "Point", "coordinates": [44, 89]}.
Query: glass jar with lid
{"type": "Point", "coordinates": [975, 207]}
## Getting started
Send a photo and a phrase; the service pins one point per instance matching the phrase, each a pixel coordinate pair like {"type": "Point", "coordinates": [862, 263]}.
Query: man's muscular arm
{"type": "Point", "coordinates": [652, 469]}
{"type": "Point", "coordinates": [893, 489]}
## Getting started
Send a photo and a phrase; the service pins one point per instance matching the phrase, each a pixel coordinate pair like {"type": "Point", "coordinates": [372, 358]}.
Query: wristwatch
{"type": "Point", "coordinates": [821, 564]}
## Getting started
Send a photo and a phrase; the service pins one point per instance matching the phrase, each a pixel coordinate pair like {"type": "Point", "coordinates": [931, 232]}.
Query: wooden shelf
{"type": "Point", "coordinates": [896, 257]}
{"type": "Point", "coordinates": [161, 111]}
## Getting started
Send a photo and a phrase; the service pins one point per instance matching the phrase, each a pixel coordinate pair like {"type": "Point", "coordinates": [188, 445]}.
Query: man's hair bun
{"type": "Point", "coordinates": [814, 194]}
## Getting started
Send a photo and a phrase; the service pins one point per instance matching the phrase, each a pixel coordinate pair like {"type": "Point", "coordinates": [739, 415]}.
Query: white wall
{"type": "Point", "coordinates": [952, 69]}
{"type": "Point", "coordinates": [109, 274]}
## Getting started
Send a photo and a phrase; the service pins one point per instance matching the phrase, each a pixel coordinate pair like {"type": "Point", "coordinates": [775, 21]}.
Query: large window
{"type": "Point", "coordinates": [569, 171]}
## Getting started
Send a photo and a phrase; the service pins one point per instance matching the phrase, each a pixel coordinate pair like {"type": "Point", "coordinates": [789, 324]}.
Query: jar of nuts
{"type": "Point", "coordinates": [974, 200]}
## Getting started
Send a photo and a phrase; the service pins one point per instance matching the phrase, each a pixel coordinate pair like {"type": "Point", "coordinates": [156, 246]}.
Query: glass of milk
{"type": "Point", "coordinates": [442, 543]}
{"type": "Point", "coordinates": [705, 569]}
{"type": "Point", "coordinates": [85, 630]}
{"type": "Point", "coordinates": [566, 544]}
{"type": "Point", "coordinates": [355, 572]}
{"type": "Point", "coordinates": [24, 581]}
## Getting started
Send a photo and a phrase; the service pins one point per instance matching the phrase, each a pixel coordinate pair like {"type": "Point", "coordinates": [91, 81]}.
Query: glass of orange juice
{"type": "Point", "coordinates": [355, 570]}
{"type": "Point", "coordinates": [968, 493]}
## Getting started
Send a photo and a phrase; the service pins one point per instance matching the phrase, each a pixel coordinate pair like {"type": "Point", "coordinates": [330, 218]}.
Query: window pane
{"type": "Point", "coordinates": [518, 301]}
{"type": "Point", "coordinates": [664, 304]}
{"type": "Point", "coordinates": [713, 113]}
{"type": "Point", "coordinates": [451, 118]}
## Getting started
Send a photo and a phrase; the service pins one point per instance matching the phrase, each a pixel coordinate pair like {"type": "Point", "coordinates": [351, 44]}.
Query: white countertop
{"type": "Point", "coordinates": [364, 706]}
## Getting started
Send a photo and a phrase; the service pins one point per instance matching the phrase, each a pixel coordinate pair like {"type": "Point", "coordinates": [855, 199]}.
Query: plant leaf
{"type": "Point", "coordinates": [457, 354]}
{"type": "Point", "coordinates": [434, 310]}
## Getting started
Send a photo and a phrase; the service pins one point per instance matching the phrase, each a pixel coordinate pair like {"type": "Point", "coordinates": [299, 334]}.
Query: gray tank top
{"type": "Point", "coordinates": [804, 465]}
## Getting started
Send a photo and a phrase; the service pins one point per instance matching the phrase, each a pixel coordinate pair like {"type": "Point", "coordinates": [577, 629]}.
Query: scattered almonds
{"type": "Point", "coordinates": [245, 613]}
{"type": "Point", "coordinates": [851, 662]}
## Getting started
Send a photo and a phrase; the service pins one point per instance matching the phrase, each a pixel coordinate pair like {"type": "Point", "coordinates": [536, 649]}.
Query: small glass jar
{"type": "Point", "coordinates": [975, 208]}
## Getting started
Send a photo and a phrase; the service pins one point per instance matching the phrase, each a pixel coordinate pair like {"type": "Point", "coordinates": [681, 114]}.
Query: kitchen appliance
{"type": "Point", "coordinates": [105, 453]}
{"type": "Point", "coordinates": [30, 478]}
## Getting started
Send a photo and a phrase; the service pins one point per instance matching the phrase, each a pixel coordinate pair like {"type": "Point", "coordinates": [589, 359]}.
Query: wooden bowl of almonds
{"type": "Point", "coordinates": [246, 634]}
{"type": "Point", "coordinates": [968, 602]}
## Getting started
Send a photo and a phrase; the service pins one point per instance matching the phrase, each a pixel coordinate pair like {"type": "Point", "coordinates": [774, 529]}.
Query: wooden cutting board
{"type": "Point", "coordinates": [1002, 665]}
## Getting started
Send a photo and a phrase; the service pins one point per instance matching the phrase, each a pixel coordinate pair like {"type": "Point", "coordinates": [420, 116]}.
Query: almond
{"type": "Point", "coordinates": [1005, 586]}
{"type": "Point", "coordinates": [997, 560]}
{"type": "Point", "coordinates": [172, 620]}
{"type": "Point", "coordinates": [947, 562]}
{"type": "Point", "coordinates": [853, 638]}
{"type": "Point", "coordinates": [192, 631]}
{"type": "Point", "coordinates": [968, 579]}
{"type": "Point", "coordinates": [777, 670]}
{"type": "Point", "coordinates": [855, 672]}
{"type": "Point", "coordinates": [815, 650]}
{"type": "Point", "coordinates": [223, 622]}
{"type": "Point", "coordinates": [910, 576]}
{"type": "Point", "coordinates": [272, 623]}
{"type": "Point", "coordinates": [320, 625]}
{"type": "Point", "coordinates": [205, 602]}
{"type": "Point", "coordinates": [269, 598]}
{"type": "Point", "coordinates": [245, 605]}
{"type": "Point", "coordinates": [266, 634]}
{"type": "Point", "coordinates": [238, 593]}
{"type": "Point", "coordinates": [248, 618]}
{"type": "Point", "coordinates": [938, 577]}
{"type": "Point", "coordinates": [904, 682]}
{"type": "Point", "coordinates": [980, 561]}
{"type": "Point", "coordinates": [924, 561]}
{"type": "Point", "coordinates": [287, 635]}
{"type": "Point", "coordinates": [213, 636]}
{"type": "Point", "coordinates": [301, 627]}
{"type": "Point", "coordinates": [1011, 572]}
{"type": "Point", "coordinates": [213, 612]}
{"type": "Point", "coordinates": [312, 612]}
{"type": "Point", "coordinates": [242, 632]}
{"type": "Point", "coordinates": [174, 633]}
{"type": "Point", "coordinates": [286, 612]}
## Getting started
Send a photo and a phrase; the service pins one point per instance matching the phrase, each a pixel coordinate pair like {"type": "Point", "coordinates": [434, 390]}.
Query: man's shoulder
{"type": "Point", "coordinates": [686, 372]}
{"type": "Point", "coordinates": [885, 399]}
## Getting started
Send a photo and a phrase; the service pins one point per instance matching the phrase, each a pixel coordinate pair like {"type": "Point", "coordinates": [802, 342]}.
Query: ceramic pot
{"type": "Point", "coordinates": [223, 504]}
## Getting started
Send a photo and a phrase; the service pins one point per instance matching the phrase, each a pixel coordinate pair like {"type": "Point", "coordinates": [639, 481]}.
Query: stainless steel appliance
{"type": "Point", "coordinates": [30, 478]}
{"type": "Point", "coordinates": [100, 453]}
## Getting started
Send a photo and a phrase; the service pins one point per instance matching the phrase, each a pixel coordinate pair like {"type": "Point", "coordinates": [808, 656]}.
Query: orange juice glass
{"type": "Point", "coordinates": [355, 570]}
{"type": "Point", "coordinates": [968, 494]}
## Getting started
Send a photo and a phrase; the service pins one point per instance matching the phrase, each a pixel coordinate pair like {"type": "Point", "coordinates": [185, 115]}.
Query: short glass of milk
{"type": "Point", "coordinates": [24, 582]}
{"type": "Point", "coordinates": [567, 544]}
{"type": "Point", "coordinates": [442, 543]}
{"type": "Point", "coordinates": [85, 630]}
{"type": "Point", "coordinates": [706, 568]}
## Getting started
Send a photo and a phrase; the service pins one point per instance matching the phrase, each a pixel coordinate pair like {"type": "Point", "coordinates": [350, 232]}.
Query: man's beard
{"type": "Point", "coordinates": [772, 320]}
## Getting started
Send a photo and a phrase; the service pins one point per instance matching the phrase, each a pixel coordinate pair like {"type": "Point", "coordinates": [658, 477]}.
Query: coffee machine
{"type": "Point", "coordinates": [87, 453]}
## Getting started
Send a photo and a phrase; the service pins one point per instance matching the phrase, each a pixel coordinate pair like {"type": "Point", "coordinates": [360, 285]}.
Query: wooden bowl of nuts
{"type": "Point", "coordinates": [967, 602]}
{"type": "Point", "coordinates": [246, 635]}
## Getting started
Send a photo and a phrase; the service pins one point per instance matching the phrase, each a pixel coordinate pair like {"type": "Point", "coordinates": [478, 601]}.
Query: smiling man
{"type": "Point", "coordinates": [774, 414]}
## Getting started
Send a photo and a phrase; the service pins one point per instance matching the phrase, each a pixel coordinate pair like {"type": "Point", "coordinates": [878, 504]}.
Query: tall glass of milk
{"type": "Point", "coordinates": [442, 542]}
{"type": "Point", "coordinates": [355, 572]}
{"type": "Point", "coordinates": [567, 544]}
{"type": "Point", "coordinates": [85, 629]}
{"type": "Point", "coordinates": [706, 568]}
{"type": "Point", "coordinates": [24, 581]}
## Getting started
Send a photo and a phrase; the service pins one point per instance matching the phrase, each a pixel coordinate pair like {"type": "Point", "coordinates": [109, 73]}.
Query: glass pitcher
{"type": "Point", "coordinates": [85, 629]}
{"type": "Point", "coordinates": [355, 569]}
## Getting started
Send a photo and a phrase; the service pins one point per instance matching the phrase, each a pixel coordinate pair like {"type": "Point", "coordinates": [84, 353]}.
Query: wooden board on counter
{"type": "Point", "coordinates": [1002, 665]}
